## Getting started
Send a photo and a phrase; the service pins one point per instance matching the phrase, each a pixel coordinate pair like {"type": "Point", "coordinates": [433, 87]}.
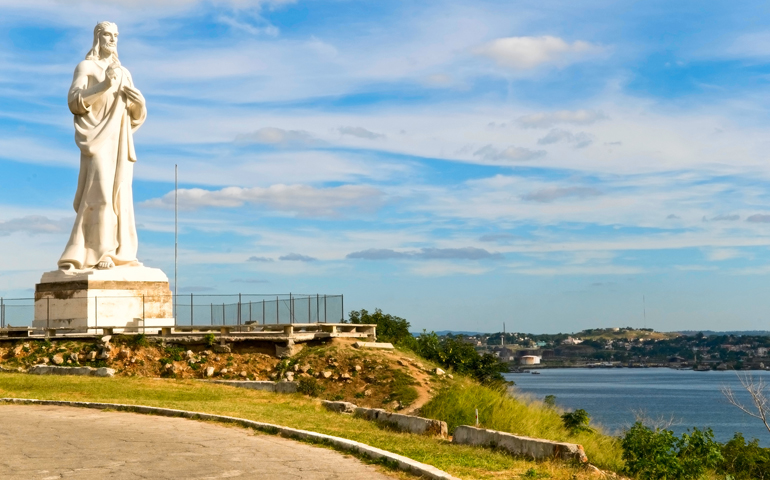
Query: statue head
{"type": "Point", "coordinates": [105, 42]}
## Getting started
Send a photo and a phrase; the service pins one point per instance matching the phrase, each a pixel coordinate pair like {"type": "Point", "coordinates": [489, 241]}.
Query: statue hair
{"type": "Point", "coordinates": [93, 54]}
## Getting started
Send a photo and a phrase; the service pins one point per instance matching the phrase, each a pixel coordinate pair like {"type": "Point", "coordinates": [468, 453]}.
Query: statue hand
{"type": "Point", "coordinates": [134, 95]}
{"type": "Point", "coordinates": [112, 74]}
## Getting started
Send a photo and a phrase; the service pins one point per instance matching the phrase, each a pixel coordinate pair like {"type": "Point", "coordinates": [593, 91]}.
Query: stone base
{"type": "Point", "coordinates": [132, 299]}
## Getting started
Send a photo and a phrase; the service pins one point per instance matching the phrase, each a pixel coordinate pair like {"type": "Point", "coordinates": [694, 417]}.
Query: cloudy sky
{"type": "Point", "coordinates": [547, 164]}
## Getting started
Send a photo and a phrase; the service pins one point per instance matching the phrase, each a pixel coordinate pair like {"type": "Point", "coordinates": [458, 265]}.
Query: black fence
{"type": "Point", "coordinates": [190, 309]}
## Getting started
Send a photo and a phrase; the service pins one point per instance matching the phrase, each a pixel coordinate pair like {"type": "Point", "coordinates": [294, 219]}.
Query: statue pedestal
{"type": "Point", "coordinates": [131, 299]}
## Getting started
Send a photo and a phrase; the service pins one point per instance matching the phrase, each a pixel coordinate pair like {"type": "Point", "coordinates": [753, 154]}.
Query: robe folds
{"type": "Point", "coordinates": [104, 226]}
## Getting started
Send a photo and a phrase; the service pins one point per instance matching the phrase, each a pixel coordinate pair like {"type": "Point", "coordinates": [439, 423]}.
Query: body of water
{"type": "Point", "coordinates": [611, 396]}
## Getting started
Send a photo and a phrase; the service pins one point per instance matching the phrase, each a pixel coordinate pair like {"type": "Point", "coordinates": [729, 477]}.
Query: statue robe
{"type": "Point", "coordinates": [104, 226]}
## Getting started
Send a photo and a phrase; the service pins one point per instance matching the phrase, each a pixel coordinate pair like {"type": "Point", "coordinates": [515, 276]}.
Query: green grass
{"type": "Point", "coordinates": [295, 411]}
{"type": "Point", "coordinates": [456, 405]}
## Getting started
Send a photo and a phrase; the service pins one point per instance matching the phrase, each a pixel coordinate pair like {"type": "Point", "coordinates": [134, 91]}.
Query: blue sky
{"type": "Point", "coordinates": [459, 163]}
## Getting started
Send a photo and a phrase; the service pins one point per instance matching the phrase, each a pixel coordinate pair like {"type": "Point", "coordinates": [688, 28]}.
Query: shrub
{"type": "Point", "coordinates": [310, 386]}
{"type": "Point", "coordinates": [745, 460]}
{"type": "Point", "coordinates": [462, 357]}
{"type": "Point", "coordinates": [389, 327]}
{"type": "Point", "coordinates": [659, 454]}
{"type": "Point", "coordinates": [210, 339]}
{"type": "Point", "coordinates": [550, 401]}
{"type": "Point", "coordinates": [577, 421]}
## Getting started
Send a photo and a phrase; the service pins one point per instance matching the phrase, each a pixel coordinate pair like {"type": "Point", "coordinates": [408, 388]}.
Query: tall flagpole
{"type": "Point", "coordinates": [176, 233]}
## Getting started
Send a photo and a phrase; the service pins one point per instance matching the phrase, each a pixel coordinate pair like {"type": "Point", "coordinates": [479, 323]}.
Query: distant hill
{"type": "Point", "coordinates": [737, 333]}
{"type": "Point", "coordinates": [457, 332]}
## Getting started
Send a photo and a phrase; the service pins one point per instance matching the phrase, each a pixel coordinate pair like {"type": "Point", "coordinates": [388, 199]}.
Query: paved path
{"type": "Point", "coordinates": [49, 442]}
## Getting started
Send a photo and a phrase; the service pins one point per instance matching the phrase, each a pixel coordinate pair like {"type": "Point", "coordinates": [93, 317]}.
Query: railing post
{"type": "Point", "coordinates": [291, 308]}
{"type": "Point", "coordinates": [96, 314]}
{"type": "Point", "coordinates": [2, 313]}
{"type": "Point", "coordinates": [223, 314]}
{"type": "Point", "coordinates": [239, 310]}
{"type": "Point", "coordinates": [277, 316]}
{"type": "Point", "coordinates": [47, 315]}
{"type": "Point", "coordinates": [317, 311]}
{"type": "Point", "coordinates": [250, 320]}
{"type": "Point", "coordinates": [264, 320]}
{"type": "Point", "coordinates": [192, 309]}
{"type": "Point", "coordinates": [212, 314]}
{"type": "Point", "coordinates": [326, 320]}
{"type": "Point", "coordinates": [308, 309]}
{"type": "Point", "coordinates": [342, 303]}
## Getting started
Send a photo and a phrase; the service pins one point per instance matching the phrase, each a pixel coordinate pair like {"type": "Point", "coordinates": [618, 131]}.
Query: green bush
{"type": "Point", "coordinates": [659, 454]}
{"type": "Point", "coordinates": [577, 421]}
{"type": "Point", "coordinates": [449, 352]}
{"type": "Point", "coordinates": [745, 460]}
{"type": "Point", "coordinates": [389, 327]}
{"type": "Point", "coordinates": [461, 357]}
{"type": "Point", "coordinates": [310, 386]}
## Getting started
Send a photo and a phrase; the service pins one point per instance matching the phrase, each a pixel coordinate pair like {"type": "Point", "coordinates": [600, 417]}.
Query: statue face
{"type": "Point", "coordinates": [108, 40]}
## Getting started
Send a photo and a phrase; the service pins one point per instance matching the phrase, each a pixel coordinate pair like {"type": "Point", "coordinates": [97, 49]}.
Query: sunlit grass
{"type": "Point", "coordinates": [499, 411]}
{"type": "Point", "coordinates": [289, 410]}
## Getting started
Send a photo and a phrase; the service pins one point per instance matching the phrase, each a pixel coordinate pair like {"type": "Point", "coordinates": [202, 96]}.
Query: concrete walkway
{"type": "Point", "coordinates": [47, 442]}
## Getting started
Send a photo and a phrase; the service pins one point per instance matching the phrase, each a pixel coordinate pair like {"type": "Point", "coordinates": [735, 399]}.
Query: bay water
{"type": "Point", "coordinates": [614, 396]}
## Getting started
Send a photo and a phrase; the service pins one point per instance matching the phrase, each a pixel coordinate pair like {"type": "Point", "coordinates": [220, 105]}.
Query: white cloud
{"type": "Point", "coordinates": [721, 254]}
{"type": "Point", "coordinates": [301, 200]}
{"type": "Point", "coordinates": [35, 224]}
{"type": "Point", "coordinates": [578, 140]}
{"type": "Point", "coordinates": [548, 119]}
{"type": "Point", "coordinates": [550, 194]}
{"type": "Point", "coordinates": [524, 53]}
{"type": "Point", "coordinates": [495, 156]}
{"type": "Point", "coordinates": [464, 253]}
{"type": "Point", "coordinates": [279, 136]}
{"type": "Point", "coordinates": [360, 132]}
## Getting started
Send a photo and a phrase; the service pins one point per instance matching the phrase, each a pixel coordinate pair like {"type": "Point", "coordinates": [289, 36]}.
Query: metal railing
{"type": "Point", "coordinates": [189, 309]}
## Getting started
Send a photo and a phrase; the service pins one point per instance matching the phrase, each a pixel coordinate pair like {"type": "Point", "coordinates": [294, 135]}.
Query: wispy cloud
{"type": "Point", "coordinates": [554, 193]}
{"type": "Point", "coordinates": [297, 199]}
{"type": "Point", "coordinates": [280, 137]}
{"type": "Point", "coordinates": [465, 253]}
{"type": "Point", "coordinates": [507, 155]}
{"type": "Point", "coordinates": [259, 259]}
{"type": "Point", "coordinates": [360, 132]}
{"type": "Point", "coordinates": [525, 53]}
{"type": "Point", "coordinates": [572, 117]}
{"type": "Point", "coordinates": [759, 218]}
{"type": "Point", "coordinates": [296, 257]}
{"type": "Point", "coordinates": [579, 140]}
{"type": "Point", "coordinates": [35, 224]}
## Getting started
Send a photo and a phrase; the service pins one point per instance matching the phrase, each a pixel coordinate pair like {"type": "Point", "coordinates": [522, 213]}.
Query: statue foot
{"type": "Point", "coordinates": [105, 264]}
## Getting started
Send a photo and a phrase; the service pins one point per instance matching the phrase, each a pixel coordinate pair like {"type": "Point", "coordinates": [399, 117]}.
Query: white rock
{"type": "Point", "coordinates": [439, 371]}
{"type": "Point", "coordinates": [57, 359]}
{"type": "Point", "coordinates": [210, 371]}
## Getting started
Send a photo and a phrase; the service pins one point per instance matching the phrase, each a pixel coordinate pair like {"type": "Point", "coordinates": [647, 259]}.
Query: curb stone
{"type": "Point", "coordinates": [401, 462]}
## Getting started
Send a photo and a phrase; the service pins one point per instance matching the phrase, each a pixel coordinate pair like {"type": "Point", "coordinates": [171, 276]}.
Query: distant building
{"type": "Point", "coordinates": [529, 360]}
{"type": "Point", "coordinates": [572, 341]}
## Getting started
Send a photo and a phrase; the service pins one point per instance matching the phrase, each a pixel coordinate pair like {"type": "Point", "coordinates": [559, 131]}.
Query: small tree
{"type": "Point", "coordinates": [759, 397]}
{"type": "Point", "coordinates": [390, 328]}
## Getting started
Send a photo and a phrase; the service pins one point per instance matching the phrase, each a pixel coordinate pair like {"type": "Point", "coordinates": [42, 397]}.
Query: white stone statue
{"type": "Point", "coordinates": [108, 110]}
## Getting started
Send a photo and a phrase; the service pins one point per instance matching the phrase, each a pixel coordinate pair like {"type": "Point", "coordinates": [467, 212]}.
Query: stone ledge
{"type": "Point", "coordinates": [406, 423]}
{"type": "Point", "coordinates": [265, 386]}
{"type": "Point", "coordinates": [339, 407]}
{"type": "Point", "coordinates": [403, 463]}
{"type": "Point", "coordinates": [535, 448]}
{"type": "Point", "coordinates": [381, 346]}
{"type": "Point", "coordinates": [79, 371]}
